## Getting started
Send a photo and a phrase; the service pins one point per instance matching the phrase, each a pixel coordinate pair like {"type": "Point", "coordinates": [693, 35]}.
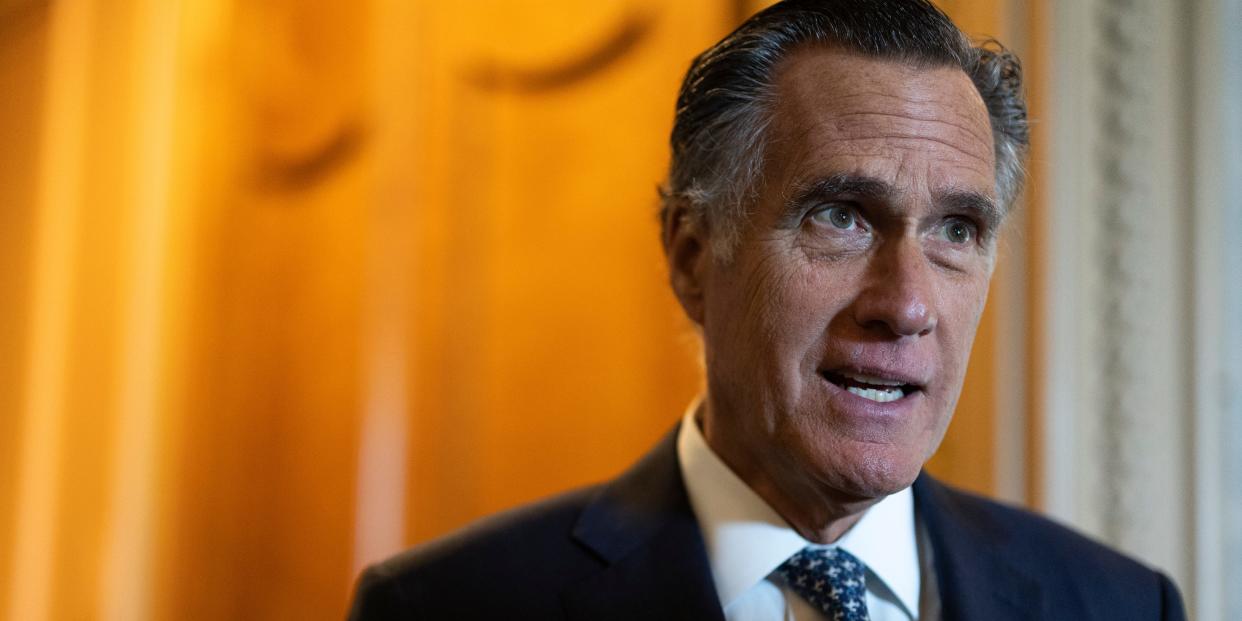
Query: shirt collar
{"type": "Point", "coordinates": [746, 539]}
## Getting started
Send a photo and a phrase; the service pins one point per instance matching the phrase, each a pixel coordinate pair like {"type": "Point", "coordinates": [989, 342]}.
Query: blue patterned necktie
{"type": "Point", "coordinates": [831, 579]}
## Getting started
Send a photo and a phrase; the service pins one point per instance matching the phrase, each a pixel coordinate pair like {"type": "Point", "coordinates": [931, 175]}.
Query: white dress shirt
{"type": "Point", "coordinates": [747, 541]}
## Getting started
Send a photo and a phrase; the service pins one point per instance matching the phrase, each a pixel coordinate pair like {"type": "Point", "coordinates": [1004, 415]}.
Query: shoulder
{"type": "Point", "coordinates": [519, 564]}
{"type": "Point", "coordinates": [1037, 538]}
{"type": "Point", "coordinates": [524, 554]}
{"type": "Point", "coordinates": [1083, 574]}
{"type": "Point", "coordinates": [538, 529]}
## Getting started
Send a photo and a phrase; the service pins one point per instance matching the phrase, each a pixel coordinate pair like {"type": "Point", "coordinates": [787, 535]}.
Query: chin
{"type": "Point", "coordinates": [865, 471]}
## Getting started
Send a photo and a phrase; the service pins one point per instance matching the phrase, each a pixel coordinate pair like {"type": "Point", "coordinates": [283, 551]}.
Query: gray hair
{"type": "Point", "coordinates": [720, 131]}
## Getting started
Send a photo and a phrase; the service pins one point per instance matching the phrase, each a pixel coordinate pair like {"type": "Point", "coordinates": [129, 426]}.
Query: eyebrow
{"type": "Point", "coordinates": [834, 187]}
{"type": "Point", "coordinates": [870, 189]}
{"type": "Point", "coordinates": [983, 208]}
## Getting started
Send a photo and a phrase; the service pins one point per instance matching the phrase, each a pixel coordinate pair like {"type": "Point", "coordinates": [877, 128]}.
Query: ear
{"type": "Point", "coordinates": [687, 252]}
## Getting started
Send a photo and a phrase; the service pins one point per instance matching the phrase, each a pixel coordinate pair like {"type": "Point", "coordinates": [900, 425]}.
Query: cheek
{"type": "Point", "coordinates": [961, 322]}
{"type": "Point", "coordinates": [795, 303]}
{"type": "Point", "coordinates": [742, 319]}
{"type": "Point", "coordinates": [773, 314]}
{"type": "Point", "coordinates": [976, 298]}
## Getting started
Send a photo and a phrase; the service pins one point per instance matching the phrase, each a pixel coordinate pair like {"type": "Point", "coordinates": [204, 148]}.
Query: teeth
{"type": "Point", "coordinates": [867, 379]}
{"type": "Point", "coordinates": [881, 395]}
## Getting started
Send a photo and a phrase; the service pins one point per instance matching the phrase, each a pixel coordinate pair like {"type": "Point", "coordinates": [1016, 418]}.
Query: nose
{"type": "Point", "coordinates": [899, 297]}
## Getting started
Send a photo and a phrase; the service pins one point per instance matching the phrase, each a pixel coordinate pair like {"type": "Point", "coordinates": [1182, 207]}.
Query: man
{"type": "Point", "coordinates": [841, 172]}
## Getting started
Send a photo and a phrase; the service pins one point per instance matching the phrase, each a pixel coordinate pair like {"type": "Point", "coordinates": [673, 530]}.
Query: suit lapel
{"type": "Point", "coordinates": [644, 530]}
{"type": "Point", "coordinates": [976, 581]}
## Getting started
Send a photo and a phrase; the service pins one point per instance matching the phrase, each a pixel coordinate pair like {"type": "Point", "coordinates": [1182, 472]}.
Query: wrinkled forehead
{"type": "Point", "coordinates": [829, 103]}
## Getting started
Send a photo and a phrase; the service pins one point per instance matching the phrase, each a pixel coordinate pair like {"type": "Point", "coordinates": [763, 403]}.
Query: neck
{"type": "Point", "coordinates": [816, 512]}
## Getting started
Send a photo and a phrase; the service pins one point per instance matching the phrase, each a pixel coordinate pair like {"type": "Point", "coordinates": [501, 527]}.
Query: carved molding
{"type": "Point", "coordinates": [1121, 405]}
{"type": "Point", "coordinates": [626, 38]}
{"type": "Point", "coordinates": [1123, 207]}
{"type": "Point", "coordinates": [1147, 97]}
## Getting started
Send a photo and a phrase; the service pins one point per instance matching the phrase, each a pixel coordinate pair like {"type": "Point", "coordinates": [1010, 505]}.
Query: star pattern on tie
{"type": "Point", "coordinates": [831, 579]}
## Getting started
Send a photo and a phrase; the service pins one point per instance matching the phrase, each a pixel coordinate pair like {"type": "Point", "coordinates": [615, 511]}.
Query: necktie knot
{"type": "Point", "coordinates": [831, 579]}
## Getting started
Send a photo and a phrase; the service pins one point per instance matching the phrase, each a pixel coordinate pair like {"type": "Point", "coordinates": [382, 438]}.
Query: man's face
{"type": "Point", "coordinates": [837, 336]}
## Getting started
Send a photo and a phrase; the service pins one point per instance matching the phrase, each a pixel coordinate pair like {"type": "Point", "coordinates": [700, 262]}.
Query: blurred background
{"type": "Point", "coordinates": [287, 286]}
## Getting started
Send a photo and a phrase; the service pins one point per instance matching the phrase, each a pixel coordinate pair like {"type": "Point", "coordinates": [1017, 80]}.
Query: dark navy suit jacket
{"type": "Point", "coordinates": [631, 549]}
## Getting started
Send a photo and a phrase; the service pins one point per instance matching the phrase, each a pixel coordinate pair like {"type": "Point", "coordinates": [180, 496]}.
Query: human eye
{"type": "Point", "coordinates": [958, 230]}
{"type": "Point", "coordinates": [837, 216]}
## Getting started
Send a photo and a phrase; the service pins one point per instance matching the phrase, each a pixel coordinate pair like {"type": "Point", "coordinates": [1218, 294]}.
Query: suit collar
{"type": "Point", "coordinates": [644, 530]}
{"type": "Point", "coordinates": [976, 579]}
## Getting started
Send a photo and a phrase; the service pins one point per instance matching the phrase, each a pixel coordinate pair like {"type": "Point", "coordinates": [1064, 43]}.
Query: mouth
{"type": "Point", "coordinates": [873, 387]}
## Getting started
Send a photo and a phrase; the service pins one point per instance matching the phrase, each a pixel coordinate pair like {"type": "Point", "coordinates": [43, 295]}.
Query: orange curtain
{"type": "Point", "coordinates": [290, 285]}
